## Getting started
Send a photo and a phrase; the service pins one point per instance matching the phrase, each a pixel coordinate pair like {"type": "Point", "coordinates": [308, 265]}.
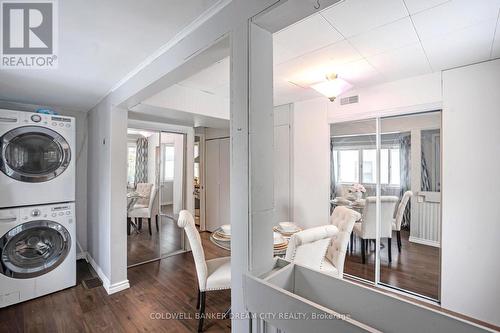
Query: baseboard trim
{"type": "Point", "coordinates": [110, 288]}
{"type": "Point", "coordinates": [82, 255]}
{"type": "Point", "coordinates": [424, 241]}
{"type": "Point", "coordinates": [119, 286]}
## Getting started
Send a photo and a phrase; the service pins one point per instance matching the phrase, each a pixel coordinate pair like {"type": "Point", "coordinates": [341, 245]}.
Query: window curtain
{"type": "Point", "coordinates": [141, 161]}
{"type": "Point", "coordinates": [426, 181]}
{"type": "Point", "coordinates": [405, 181]}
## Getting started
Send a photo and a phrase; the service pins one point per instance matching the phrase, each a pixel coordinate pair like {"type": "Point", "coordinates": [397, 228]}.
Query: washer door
{"type": "Point", "coordinates": [33, 249]}
{"type": "Point", "coordinates": [33, 154]}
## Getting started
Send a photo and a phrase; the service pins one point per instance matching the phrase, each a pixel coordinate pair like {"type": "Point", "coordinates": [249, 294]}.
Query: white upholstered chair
{"type": "Point", "coordinates": [396, 223]}
{"type": "Point", "coordinates": [343, 218]}
{"type": "Point", "coordinates": [324, 248]}
{"type": "Point", "coordinates": [367, 229]}
{"type": "Point", "coordinates": [214, 274]}
{"type": "Point", "coordinates": [146, 208]}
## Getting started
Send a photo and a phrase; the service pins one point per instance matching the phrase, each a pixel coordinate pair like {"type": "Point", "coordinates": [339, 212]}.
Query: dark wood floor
{"type": "Point", "coordinates": [142, 247]}
{"type": "Point", "coordinates": [165, 287]}
{"type": "Point", "coordinates": [415, 269]}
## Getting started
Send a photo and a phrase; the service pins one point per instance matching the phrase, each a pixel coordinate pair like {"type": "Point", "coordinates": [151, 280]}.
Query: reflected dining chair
{"type": "Point", "coordinates": [214, 274]}
{"type": "Point", "coordinates": [367, 228]}
{"type": "Point", "coordinates": [147, 208]}
{"type": "Point", "coordinates": [398, 220]}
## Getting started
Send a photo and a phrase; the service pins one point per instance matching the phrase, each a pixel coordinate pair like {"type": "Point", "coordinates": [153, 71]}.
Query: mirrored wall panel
{"type": "Point", "coordinates": [353, 184]}
{"type": "Point", "coordinates": [171, 187]}
{"type": "Point", "coordinates": [411, 173]}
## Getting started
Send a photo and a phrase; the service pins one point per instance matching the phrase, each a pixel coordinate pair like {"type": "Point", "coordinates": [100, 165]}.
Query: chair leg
{"type": "Point", "coordinates": [351, 241]}
{"type": "Point", "coordinates": [398, 235]}
{"type": "Point", "coordinates": [140, 223]}
{"type": "Point", "coordinates": [363, 245]}
{"type": "Point", "coordinates": [149, 226]}
{"type": "Point", "coordinates": [157, 227]}
{"type": "Point", "coordinates": [129, 225]}
{"type": "Point", "coordinates": [198, 300]}
{"type": "Point", "coordinates": [202, 311]}
{"type": "Point", "coordinates": [389, 249]}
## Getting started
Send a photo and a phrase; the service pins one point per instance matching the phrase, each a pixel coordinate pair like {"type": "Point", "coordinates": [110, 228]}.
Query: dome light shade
{"type": "Point", "coordinates": [332, 87]}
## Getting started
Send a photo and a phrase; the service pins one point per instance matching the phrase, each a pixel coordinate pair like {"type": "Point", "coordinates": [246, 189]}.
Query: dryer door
{"type": "Point", "coordinates": [33, 249]}
{"type": "Point", "coordinates": [33, 154]}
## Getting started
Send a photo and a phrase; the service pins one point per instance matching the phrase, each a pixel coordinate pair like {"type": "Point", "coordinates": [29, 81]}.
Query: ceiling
{"type": "Point", "coordinates": [370, 42]}
{"type": "Point", "coordinates": [100, 42]}
{"type": "Point", "coordinates": [366, 43]}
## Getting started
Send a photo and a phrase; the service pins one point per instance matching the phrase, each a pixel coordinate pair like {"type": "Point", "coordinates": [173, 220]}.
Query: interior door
{"type": "Point", "coordinates": [224, 166]}
{"type": "Point", "coordinates": [212, 189]}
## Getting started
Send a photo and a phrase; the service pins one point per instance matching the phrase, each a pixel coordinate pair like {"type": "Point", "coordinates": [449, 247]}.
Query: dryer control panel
{"type": "Point", "coordinates": [47, 120]}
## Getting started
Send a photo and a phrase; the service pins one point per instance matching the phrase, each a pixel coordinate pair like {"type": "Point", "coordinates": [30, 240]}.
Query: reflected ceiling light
{"type": "Point", "coordinates": [332, 87]}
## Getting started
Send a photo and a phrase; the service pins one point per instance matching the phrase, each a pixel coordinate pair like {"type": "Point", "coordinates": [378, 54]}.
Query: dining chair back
{"type": "Point", "coordinates": [401, 210]}
{"type": "Point", "coordinates": [343, 218]}
{"type": "Point", "coordinates": [369, 217]}
{"type": "Point", "coordinates": [186, 221]}
{"type": "Point", "coordinates": [213, 274]}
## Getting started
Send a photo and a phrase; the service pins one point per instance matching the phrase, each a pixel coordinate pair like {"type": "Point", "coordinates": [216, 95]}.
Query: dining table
{"type": "Point", "coordinates": [225, 243]}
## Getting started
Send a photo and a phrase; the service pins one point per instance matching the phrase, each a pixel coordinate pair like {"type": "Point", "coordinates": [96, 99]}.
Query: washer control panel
{"type": "Point", "coordinates": [48, 212]}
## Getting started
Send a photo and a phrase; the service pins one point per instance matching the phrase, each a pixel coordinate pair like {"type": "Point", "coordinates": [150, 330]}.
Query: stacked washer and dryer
{"type": "Point", "coordinates": [37, 208]}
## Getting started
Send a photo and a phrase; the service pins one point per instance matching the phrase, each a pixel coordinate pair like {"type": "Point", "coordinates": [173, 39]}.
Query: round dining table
{"type": "Point", "coordinates": [226, 244]}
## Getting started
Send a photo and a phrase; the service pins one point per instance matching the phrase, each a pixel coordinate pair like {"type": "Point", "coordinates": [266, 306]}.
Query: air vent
{"type": "Point", "coordinates": [349, 100]}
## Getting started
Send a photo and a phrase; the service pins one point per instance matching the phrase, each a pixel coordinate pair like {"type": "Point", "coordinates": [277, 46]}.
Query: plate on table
{"type": "Point", "coordinates": [286, 233]}
{"type": "Point", "coordinates": [218, 235]}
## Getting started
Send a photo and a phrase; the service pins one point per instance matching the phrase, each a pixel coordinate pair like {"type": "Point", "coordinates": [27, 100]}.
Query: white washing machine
{"type": "Point", "coordinates": [37, 158]}
{"type": "Point", "coordinates": [37, 251]}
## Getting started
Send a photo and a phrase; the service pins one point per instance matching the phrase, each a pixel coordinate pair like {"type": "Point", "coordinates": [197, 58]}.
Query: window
{"type": "Point", "coordinates": [131, 152]}
{"type": "Point", "coordinates": [369, 166]}
{"type": "Point", "coordinates": [395, 171]}
{"type": "Point", "coordinates": [168, 162]}
{"type": "Point", "coordinates": [348, 162]}
{"type": "Point", "coordinates": [355, 165]}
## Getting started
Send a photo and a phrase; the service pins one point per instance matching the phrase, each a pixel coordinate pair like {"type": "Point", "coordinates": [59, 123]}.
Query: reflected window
{"type": "Point", "coordinates": [168, 162]}
{"type": "Point", "coordinates": [131, 154]}
{"type": "Point", "coordinates": [348, 166]}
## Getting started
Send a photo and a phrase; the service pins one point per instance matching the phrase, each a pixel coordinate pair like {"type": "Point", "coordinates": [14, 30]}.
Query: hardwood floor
{"type": "Point", "coordinates": [415, 269]}
{"type": "Point", "coordinates": [143, 247]}
{"type": "Point", "coordinates": [164, 288]}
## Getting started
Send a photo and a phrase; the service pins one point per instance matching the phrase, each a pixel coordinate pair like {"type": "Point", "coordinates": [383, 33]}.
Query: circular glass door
{"type": "Point", "coordinates": [33, 154]}
{"type": "Point", "coordinates": [33, 249]}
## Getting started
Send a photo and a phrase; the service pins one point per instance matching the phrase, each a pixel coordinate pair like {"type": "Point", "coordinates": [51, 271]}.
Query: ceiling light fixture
{"type": "Point", "coordinates": [332, 87]}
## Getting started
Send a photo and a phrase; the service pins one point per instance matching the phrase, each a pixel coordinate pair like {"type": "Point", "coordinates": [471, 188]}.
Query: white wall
{"type": "Point", "coordinates": [415, 94]}
{"type": "Point", "coordinates": [311, 162]}
{"type": "Point", "coordinates": [106, 196]}
{"type": "Point", "coordinates": [471, 190]}
{"type": "Point", "coordinates": [283, 163]}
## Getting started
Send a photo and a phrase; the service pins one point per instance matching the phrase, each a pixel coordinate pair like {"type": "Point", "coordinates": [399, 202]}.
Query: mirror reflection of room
{"type": "Point", "coordinates": [154, 194]}
{"type": "Point", "coordinates": [409, 198]}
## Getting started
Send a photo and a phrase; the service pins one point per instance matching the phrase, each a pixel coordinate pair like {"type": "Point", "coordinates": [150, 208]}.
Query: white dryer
{"type": "Point", "coordinates": [37, 251]}
{"type": "Point", "coordinates": [37, 158]}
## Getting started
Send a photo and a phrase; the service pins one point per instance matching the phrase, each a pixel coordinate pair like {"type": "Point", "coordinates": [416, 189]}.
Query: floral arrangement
{"type": "Point", "coordinates": [357, 188]}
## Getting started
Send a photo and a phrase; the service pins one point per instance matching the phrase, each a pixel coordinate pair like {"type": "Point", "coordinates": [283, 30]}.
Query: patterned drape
{"type": "Point", "coordinates": [405, 181]}
{"type": "Point", "coordinates": [141, 161]}
{"type": "Point", "coordinates": [426, 181]}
